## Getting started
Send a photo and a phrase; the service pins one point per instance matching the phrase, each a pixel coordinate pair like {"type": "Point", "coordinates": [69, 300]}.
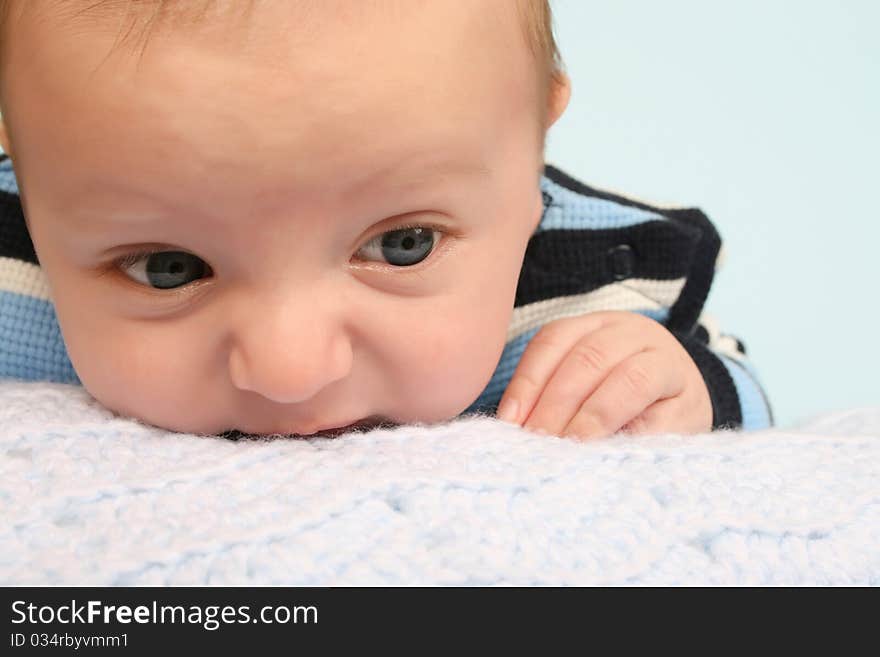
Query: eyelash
{"type": "Point", "coordinates": [130, 259]}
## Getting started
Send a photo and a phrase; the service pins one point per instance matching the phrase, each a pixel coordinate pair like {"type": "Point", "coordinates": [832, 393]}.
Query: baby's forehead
{"type": "Point", "coordinates": [137, 22]}
{"type": "Point", "coordinates": [488, 31]}
{"type": "Point", "coordinates": [372, 36]}
{"type": "Point", "coordinates": [277, 103]}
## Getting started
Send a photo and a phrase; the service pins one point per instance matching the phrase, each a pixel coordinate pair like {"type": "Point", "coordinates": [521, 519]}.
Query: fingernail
{"type": "Point", "coordinates": [508, 410]}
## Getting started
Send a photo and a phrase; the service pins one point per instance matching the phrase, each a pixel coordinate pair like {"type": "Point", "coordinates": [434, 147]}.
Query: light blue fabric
{"type": "Point", "coordinates": [8, 183]}
{"type": "Point", "coordinates": [31, 345]}
{"type": "Point", "coordinates": [90, 498]}
{"type": "Point", "coordinates": [755, 414]}
{"type": "Point", "coordinates": [573, 211]}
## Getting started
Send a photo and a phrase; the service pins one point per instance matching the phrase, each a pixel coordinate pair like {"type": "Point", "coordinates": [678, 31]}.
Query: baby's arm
{"type": "Point", "coordinates": [738, 400]}
{"type": "Point", "coordinates": [600, 373]}
{"type": "Point", "coordinates": [592, 375]}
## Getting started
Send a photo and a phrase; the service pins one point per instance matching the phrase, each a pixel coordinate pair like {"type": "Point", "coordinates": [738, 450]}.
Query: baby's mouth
{"type": "Point", "coordinates": [361, 426]}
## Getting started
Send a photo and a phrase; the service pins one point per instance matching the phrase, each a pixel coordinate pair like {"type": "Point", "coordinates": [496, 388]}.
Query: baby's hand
{"type": "Point", "coordinates": [600, 373]}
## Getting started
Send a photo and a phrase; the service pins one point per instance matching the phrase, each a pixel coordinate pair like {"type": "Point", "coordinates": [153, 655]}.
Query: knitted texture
{"type": "Point", "coordinates": [592, 251]}
{"type": "Point", "coordinates": [31, 345]}
{"type": "Point", "coordinates": [92, 499]}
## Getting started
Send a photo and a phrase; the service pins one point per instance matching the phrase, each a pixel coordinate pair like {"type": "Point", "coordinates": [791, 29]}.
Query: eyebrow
{"type": "Point", "coordinates": [421, 175]}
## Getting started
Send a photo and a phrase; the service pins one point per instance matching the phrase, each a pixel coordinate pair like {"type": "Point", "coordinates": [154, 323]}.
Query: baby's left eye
{"type": "Point", "coordinates": [163, 269]}
{"type": "Point", "coordinates": [402, 247]}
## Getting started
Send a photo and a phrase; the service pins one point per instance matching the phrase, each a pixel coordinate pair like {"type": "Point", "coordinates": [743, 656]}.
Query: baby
{"type": "Point", "coordinates": [297, 217]}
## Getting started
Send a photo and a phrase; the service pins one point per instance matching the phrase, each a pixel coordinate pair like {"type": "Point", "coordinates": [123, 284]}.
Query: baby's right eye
{"type": "Point", "coordinates": [163, 269]}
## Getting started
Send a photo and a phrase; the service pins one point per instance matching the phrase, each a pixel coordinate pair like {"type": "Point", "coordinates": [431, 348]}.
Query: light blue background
{"type": "Point", "coordinates": [764, 114]}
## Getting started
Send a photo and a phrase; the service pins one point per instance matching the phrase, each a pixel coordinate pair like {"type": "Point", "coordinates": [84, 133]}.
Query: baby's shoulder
{"type": "Point", "coordinates": [572, 204]}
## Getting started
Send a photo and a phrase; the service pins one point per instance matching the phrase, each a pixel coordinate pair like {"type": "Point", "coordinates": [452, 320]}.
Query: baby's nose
{"type": "Point", "coordinates": [289, 366]}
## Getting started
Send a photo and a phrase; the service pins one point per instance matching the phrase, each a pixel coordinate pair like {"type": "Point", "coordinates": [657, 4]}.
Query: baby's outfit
{"type": "Point", "coordinates": [592, 251]}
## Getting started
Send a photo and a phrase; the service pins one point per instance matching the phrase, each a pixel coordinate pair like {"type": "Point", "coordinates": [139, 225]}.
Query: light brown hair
{"type": "Point", "coordinates": [536, 19]}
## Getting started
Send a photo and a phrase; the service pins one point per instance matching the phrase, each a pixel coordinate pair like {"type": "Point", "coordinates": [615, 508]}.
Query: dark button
{"type": "Point", "coordinates": [621, 261]}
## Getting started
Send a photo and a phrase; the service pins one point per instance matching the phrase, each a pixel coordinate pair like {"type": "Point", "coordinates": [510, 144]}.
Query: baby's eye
{"type": "Point", "coordinates": [164, 269]}
{"type": "Point", "coordinates": [402, 247]}
{"type": "Point", "coordinates": [171, 269]}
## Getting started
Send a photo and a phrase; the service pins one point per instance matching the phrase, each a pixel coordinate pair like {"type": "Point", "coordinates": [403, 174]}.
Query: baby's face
{"type": "Point", "coordinates": [337, 199]}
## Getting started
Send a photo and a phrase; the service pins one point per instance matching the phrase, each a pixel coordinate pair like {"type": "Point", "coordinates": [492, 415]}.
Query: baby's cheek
{"type": "Point", "coordinates": [457, 362]}
{"type": "Point", "coordinates": [111, 371]}
{"type": "Point", "coordinates": [470, 330]}
{"type": "Point", "coordinates": [131, 372]}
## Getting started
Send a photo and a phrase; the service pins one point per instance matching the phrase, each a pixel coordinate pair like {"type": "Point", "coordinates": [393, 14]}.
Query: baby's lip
{"type": "Point", "coordinates": [366, 424]}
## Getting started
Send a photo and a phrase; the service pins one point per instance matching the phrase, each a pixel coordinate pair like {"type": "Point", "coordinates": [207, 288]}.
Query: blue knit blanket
{"type": "Point", "coordinates": [90, 498]}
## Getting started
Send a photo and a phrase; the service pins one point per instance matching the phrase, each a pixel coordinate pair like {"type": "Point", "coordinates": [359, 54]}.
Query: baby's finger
{"type": "Point", "coordinates": [668, 416]}
{"type": "Point", "coordinates": [632, 387]}
{"type": "Point", "coordinates": [540, 359]}
{"type": "Point", "coordinates": [585, 366]}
